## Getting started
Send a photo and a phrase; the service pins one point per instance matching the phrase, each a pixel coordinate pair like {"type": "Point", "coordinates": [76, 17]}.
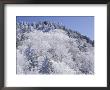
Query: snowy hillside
{"type": "Point", "coordinates": [49, 48]}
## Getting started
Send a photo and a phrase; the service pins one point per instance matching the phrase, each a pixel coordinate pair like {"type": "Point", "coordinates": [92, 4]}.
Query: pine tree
{"type": "Point", "coordinates": [46, 66]}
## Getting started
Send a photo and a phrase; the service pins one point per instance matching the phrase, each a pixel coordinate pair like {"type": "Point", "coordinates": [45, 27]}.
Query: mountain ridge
{"type": "Point", "coordinates": [49, 48]}
{"type": "Point", "coordinates": [46, 26]}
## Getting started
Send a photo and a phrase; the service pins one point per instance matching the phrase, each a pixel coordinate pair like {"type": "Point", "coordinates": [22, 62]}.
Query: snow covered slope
{"type": "Point", "coordinates": [49, 48]}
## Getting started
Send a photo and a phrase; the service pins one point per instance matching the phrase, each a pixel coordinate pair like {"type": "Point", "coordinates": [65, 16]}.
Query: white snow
{"type": "Point", "coordinates": [62, 53]}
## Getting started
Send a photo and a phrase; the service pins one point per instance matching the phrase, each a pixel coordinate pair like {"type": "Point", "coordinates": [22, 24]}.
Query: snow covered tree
{"type": "Point", "coordinates": [49, 48]}
{"type": "Point", "coordinates": [46, 67]}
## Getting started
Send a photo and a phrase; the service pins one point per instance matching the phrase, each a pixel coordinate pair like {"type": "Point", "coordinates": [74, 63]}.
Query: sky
{"type": "Point", "coordinates": [82, 24]}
